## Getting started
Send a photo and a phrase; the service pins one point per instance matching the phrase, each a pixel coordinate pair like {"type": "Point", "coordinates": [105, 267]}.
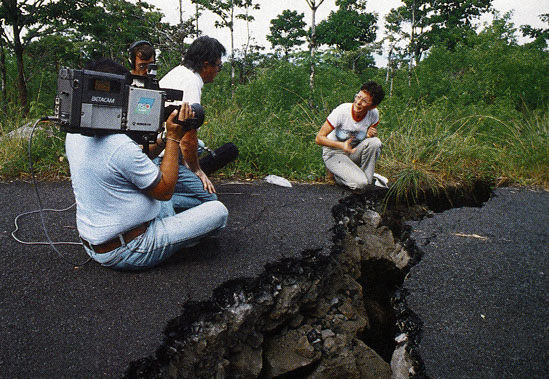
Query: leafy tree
{"type": "Point", "coordinates": [287, 31]}
{"type": "Point", "coordinates": [350, 27]}
{"type": "Point", "coordinates": [92, 28]}
{"type": "Point", "coordinates": [246, 61]}
{"type": "Point", "coordinates": [425, 23]}
{"type": "Point", "coordinates": [110, 26]}
{"type": "Point", "coordinates": [486, 70]}
{"type": "Point", "coordinates": [541, 36]}
{"type": "Point", "coordinates": [451, 20]}
{"type": "Point", "coordinates": [393, 36]}
{"type": "Point", "coordinates": [32, 19]}
{"type": "Point", "coordinates": [226, 11]}
{"type": "Point", "coordinates": [409, 23]}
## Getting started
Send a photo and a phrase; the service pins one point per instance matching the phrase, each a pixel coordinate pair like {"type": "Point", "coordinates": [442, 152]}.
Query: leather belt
{"type": "Point", "coordinates": [116, 242]}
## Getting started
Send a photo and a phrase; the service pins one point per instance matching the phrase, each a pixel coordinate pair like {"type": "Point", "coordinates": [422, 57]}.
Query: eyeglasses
{"type": "Point", "coordinates": [364, 100]}
{"type": "Point", "coordinates": [218, 65]}
{"type": "Point", "coordinates": [143, 66]}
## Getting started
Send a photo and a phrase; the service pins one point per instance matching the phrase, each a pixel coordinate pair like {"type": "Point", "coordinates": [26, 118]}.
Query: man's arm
{"type": "Point", "coordinates": [189, 148]}
{"type": "Point", "coordinates": [169, 168]}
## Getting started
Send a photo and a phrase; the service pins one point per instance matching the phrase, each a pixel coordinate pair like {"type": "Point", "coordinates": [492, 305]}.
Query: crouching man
{"type": "Point", "coordinates": [350, 147]}
{"type": "Point", "coordinates": [124, 214]}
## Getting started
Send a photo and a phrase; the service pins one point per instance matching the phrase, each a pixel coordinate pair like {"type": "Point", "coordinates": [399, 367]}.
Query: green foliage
{"type": "Point", "coordinates": [287, 31]}
{"type": "Point", "coordinates": [483, 69]}
{"type": "Point", "coordinates": [225, 10]}
{"type": "Point", "coordinates": [451, 21]}
{"type": "Point", "coordinates": [349, 27]}
{"type": "Point", "coordinates": [477, 110]}
{"type": "Point", "coordinates": [110, 26]}
{"type": "Point", "coordinates": [541, 36]}
{"type": "Point", "coordinates": [48, 157]}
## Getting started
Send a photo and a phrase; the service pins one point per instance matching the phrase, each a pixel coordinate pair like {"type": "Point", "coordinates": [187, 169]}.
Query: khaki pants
{"type": "Point", "coordinates": [355, 170]}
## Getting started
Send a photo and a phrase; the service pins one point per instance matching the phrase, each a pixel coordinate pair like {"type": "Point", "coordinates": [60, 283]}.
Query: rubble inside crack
{"type": "Point", "coordinates": [302, 317]}
{"type": "Point", "coordinates": [319, 316]}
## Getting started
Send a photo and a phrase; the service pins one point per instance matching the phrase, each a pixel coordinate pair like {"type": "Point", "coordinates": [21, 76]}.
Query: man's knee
{"type": "Point", "coordinates": [372, 144]}
{"type": "Point", "coordinates": [376, 142]}
{"type": "Point", "coordinates": [219, 211]}
{"type": "Point", "coordinates": [358, 185]}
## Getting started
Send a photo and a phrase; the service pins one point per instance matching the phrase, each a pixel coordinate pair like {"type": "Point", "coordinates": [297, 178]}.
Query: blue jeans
{"type": "Point", "coordinates": [166, 234]}
{"type": "Point", "coordinates": [189, 190]}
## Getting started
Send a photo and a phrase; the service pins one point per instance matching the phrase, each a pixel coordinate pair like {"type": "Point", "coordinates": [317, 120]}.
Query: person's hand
{"type": "Point", "coordinates": [372, 132]}
{"type": "Point", "coordinates": [208, 186]}
{"type": "Point", "coordinates": [347, 147]}
{"type": "Point", "coordinates": [174, 130]}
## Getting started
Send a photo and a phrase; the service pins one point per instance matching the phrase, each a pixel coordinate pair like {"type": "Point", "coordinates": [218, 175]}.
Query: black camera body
{"type": "Point", "coordinates": [96, 103]}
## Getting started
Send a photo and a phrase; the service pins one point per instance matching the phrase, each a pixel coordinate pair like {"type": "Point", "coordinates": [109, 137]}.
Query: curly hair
{"type": "Point", "coordinates": [375, 90]}
{"type": "Point", "coordinates": [203, 49]}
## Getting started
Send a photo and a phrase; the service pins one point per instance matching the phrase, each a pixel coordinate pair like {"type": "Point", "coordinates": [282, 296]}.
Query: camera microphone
{"type": "Point", "coordinates": [152, 70]}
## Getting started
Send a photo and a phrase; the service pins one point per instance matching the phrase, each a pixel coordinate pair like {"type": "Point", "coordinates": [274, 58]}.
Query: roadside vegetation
{"type": "Point", "coordinates": [477, 111]}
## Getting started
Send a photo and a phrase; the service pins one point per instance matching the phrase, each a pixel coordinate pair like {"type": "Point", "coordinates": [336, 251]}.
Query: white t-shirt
{"type": "Point", "coordinates": [183, 79]}
{"type": "Point", "coordinates": [108, 176]}
{"type": "Point", "coordinates": [345, 125]}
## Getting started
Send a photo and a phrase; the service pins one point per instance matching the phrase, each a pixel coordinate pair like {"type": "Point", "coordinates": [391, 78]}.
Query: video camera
{"type": "Point", "coordinates": [96, 103]}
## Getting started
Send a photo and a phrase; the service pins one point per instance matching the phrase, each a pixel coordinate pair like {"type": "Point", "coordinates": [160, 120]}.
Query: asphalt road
{"type": "Point", "coordinates": [481, 288]}
{"type": "Point", "coordinates": [58, 321]}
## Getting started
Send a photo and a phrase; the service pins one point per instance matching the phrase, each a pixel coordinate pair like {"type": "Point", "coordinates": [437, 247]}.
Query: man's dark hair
{"type": "Point", "coordinates": [107, 65]}
{"type": "Point", "coordinates": [141, 49]}
{"type": "Point", "coordinates": [203, 49]}
{"type": "Point", "coordinates": [375, 90]}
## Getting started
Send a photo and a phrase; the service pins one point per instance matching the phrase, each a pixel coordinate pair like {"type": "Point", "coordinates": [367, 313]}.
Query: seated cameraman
{"type": "Point", "coordinates": [201, 64]}
{"type": "Point", "coordinates": [124, 214]}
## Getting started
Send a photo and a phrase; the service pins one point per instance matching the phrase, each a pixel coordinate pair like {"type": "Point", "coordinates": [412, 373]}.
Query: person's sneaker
{"type": "Point", "coordinates": [381, 181]}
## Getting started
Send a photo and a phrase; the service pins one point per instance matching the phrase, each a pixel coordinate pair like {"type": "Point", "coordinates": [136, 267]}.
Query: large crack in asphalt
{"type": "Point", "coordinates": [316, 316]}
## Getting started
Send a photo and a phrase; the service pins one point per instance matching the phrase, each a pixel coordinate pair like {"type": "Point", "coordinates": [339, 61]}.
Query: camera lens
{"type": "Point", "coordinates": [198, 115]}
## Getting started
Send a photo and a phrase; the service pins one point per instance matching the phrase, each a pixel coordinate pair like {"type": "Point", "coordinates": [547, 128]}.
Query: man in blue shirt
{"type": "Point", "coordinates": [125, 216]}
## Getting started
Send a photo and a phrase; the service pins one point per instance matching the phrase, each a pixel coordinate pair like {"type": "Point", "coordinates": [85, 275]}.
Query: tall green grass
{"type": "Point", "coordinates": [47, 150]}
{"type": "Point", "coordinates": [426, 144]}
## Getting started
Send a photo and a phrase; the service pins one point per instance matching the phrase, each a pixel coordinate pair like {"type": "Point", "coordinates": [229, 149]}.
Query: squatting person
{"type": "Point", "coordinates": [124, 215]}
{"type": "Point", "coordinates": [350, 147]}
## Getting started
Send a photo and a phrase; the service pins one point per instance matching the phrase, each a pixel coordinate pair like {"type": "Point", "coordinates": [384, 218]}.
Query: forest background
{"type": "Point", "coordinates": [465, 102]}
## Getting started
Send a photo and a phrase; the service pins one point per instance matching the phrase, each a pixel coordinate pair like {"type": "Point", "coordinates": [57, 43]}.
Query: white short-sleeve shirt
{"type": "Point", "coordinates": [345, 124]}
{"type": "Point", "coordinates": [183, 79]}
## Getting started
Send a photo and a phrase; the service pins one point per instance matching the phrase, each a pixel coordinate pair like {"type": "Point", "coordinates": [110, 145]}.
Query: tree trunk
{"type": "Point", "coordinates": [411, 48]}
{"type": "Point", "coordinates": [196, 22]}
{"type": "Point", "coordinates": [3, 74]}
{"type": "Point", "coordinates": [312, 47]}
{"type": "Point", "coordinates": [232, 51]}
{"type": "Point", "coordinates": [21, 83]}
{"type": "Point", "coordinates": [312, 54]}
{"type": "Point", "coordinates": [390, 74]}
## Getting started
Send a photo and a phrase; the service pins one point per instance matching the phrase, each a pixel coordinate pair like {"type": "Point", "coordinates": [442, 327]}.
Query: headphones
{"type": "Point", "coordinates": [131, 51]}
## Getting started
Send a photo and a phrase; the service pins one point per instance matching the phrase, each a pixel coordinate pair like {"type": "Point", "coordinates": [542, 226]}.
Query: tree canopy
{"type": "Point", "coordinates": [287, 31]}
{"type": "Point", "coordinates": [348, 28]}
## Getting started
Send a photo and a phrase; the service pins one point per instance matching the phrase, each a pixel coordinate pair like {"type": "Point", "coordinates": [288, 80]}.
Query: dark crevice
{"type": "Point", "coordinates": [327, 308]}
{"type": "Point", "coordinates": [381, 280]}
